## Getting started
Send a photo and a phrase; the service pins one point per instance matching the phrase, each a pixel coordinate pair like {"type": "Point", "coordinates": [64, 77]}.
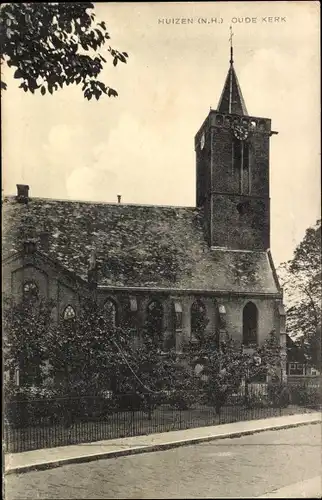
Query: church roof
{"type": "Point", "coordinates": [231, 100]}
{"type": "Point", "coordinates": [136, 245]}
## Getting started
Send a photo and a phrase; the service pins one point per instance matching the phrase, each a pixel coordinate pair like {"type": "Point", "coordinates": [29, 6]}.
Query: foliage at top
{"type": "Point", "coordinates": [53, 44]}
{"type": "Point", "coordinates": [301, 278]}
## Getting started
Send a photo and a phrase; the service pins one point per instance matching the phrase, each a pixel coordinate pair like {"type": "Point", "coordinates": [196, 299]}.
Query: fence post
{"type": "Point", "coordinates": [247, 388]}
{"type": "Point", "coordinates": [133, 421]}
{"type": "Point", "coordinates": [150, 407]}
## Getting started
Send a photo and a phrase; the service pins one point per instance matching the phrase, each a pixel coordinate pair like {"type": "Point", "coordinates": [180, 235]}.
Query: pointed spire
{"type": "Point", "coordinates": [231, 46]}
{"type": "Point", "coordinates": [231, 99]}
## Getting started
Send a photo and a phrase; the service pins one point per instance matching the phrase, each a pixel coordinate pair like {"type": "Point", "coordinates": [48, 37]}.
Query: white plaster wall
{"type": "Point", "coordinates": [267, 317]}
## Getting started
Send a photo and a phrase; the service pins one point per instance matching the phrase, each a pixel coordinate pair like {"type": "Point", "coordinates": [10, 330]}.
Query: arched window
{"type": "Point", "coordinates": [154, 321]}
{"type": "Point", "coordinates": [30, 290]}
{"type": "Point", "coordinates": [237, 160]}
{"type": "Point", "coordinates": [245, 185]}
{"type": "Point", "coordinates": [198, 319]}
{"type": "Point", "coordinates": [69, 313]}
{"type": "Point", "coordinates": [110, 312]}
{"type": "Point", "coordinates": [250, 325]}
{"type": "Point", "coordinates": [130, 314]}
{"type": "Point", "coordinates": [241, 167]}
{"type": "Point", "coordinates": [174, 325]}
{"type": "Point", "coordinates": [219, 119]}
{"type": "Point", "coordinates": [177, 310]}
{"type": "Point", "coordinates": [228, 121]}
{"type": "Point", "coordinates": [262, 125]}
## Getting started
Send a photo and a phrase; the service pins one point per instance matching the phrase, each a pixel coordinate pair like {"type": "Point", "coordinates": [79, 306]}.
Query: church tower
{"type": "Point", "coordinates": [232, 162]}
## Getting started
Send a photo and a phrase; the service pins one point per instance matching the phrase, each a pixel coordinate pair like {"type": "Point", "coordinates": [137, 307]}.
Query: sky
{"type": "Point", "coordinates": [141, 144]}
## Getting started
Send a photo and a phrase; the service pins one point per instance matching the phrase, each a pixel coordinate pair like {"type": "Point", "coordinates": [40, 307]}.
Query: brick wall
{"type": "Point", "coordinates": [240, 222]}
{"type": "Point", "coordinates": [218, 191]}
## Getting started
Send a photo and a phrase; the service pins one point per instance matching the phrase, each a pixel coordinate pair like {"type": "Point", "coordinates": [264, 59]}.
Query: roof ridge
{"type": "Point", "coordinates": [90, 202]}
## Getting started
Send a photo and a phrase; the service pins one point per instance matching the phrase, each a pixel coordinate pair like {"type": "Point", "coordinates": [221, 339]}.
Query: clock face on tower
{"type": "Point", "coordinates": [240, 132]}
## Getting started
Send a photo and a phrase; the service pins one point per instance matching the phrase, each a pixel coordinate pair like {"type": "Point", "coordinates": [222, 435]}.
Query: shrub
{"type": "Point", "coordinates": [306, 395]}
{"type": "Point", "coordinates": [217, 396]}
{"type": "Point", "coordinates": [180, 399]}
{"type": "Point", "coordinates": [28, 405]}
{"type": "Point", "coordinates": [257, 400]}
{"type": "Point", "coordinates": [35, 406]}
{"type": "Point", "coordinates": [130, 402]}
{"type": "Point", "coordinates": [279, 395]}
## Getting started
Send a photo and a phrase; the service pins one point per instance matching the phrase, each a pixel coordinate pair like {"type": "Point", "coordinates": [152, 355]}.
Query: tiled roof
{"type": "Point", "coordinates": [136, 245]}
{"type": "Point", "coordinates": [231, 99]}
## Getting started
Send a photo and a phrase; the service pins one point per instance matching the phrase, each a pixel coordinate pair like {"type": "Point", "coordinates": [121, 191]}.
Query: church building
{"type": "Point", "coordinates": [163, 262]}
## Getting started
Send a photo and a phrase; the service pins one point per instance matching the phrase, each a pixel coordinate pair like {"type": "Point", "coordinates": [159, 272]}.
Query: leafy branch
{"type": "Point", "coordinates": [51, 45]}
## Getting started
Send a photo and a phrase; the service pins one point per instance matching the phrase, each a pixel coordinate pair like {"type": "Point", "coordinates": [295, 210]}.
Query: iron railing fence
{"type": "Point", "coordinates": [51, 422]}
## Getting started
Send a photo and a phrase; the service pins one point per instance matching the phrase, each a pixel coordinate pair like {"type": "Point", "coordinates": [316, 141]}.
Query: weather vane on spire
{"type": "Point", "coordinates": [231, 44]}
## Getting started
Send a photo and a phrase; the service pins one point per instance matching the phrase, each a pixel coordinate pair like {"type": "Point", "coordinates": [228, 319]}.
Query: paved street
{"type": "Point", "coordinates": [250, 466]}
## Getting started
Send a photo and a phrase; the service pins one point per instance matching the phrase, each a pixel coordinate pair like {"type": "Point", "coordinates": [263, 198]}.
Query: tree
{"type": "Point", "coordinates": [156, 376]}
{"type": "Point", "coordinates": [25, 327]}
{"type": "Point", "coordinates": [55, 44]}
{"type": "Point", "coordinates": [81, 351]}
{"type": "Point", "coordinates": [88, 353]}
{"type": "Point", "coordinates": [301, 280]}
{"type": "Point", "coordinates": [223, 368]}
{"type": "Point", "coordinates": [266, 358]}
{"type": "Point", "coordinates": [154, 370]}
